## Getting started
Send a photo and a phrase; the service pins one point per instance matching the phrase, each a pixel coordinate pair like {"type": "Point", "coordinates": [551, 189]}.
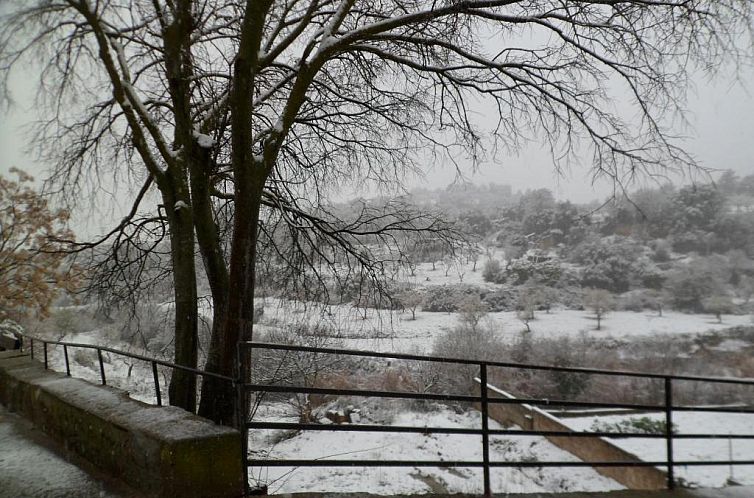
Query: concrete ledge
{"type": "Point", "coordinates": [161, 451]}
{"type": "Point", "coordinates": [8, 342]}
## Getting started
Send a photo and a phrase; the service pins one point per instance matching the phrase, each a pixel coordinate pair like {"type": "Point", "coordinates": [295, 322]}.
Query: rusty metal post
{"type": "Point", "coordinates": [67, 365]}
{"type": "Point", "coordinates": [101, 367]}
{"type": "Point", "coordinates": [485, 429]}
{"type": "Point", "coordinates": [669, 430]}
{"type": "Point", "coordinates": [156, 384]}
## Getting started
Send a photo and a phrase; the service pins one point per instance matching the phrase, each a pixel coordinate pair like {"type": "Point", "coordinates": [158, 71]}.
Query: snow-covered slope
{"type": "Point", "coordinates": [386, 446]}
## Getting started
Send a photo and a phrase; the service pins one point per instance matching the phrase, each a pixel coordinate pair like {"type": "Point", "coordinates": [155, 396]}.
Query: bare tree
{"type": "Point", "coordinates": [269, 104]}
{"type": "Point", "coordinates": [600, 301]}
{"type": "Point", "coordinates": [411, 299]}
{"type": "Point", "coordinates": [719, 305]}
{"type": "Point", "coordinates": [528, 299]}
{"type": "Point", "coordinates": [472, 311]}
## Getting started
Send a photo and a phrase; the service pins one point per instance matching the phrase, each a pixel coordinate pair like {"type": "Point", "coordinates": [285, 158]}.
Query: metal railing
{"type": "Point", "coordinates": [154, 362]}
{"type": "Point", "coordinates": [484, 400]}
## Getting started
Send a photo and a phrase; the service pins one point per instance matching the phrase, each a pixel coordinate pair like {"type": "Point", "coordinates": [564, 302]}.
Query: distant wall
{"type": "Point", "coordinates": [586, 449]}
{"type": "Point", "coordinates": [160, 451]}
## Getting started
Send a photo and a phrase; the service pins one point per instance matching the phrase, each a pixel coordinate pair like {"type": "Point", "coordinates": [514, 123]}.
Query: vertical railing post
{"type": "Point", "coordinates": [241, 414]}
{"type": "Point", "coordinates": [101, 367]}
{"type": "Point", "coordinates": [44, 343]}
{"type": "Point", "coordinates": [31, 347]}
{"type": "Point", "coordinates": [156, 383]}
{"type": "Point", "coordinates": [485, 429]}
{"type": "Point", "coordinates": [67, 365]}
{"type": "Point", "coordinates": [669, 430]}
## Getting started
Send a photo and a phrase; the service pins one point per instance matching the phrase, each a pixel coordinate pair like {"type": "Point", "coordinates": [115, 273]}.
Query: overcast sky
{"type": "Point", "coordinates": [721, 115]}
{"type": "Point", "coordinates": [720, 136]}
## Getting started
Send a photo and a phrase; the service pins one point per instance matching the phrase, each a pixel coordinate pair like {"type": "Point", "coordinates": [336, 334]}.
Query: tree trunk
{"type": "Point", "coordinates": [179, 204]}
{"type": "Point", "coordinates": [182, 390]}
{"type": "Point", "coordinates": [217, 395]}
{"type": "Point", "coordinates": [249, 175]}
{"type": "Point", "coordinates": [237, 322]}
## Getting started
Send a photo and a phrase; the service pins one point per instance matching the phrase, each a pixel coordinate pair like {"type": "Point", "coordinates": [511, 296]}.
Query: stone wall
{"type": "Point", "coordinates": [586, 449]}
{"type": "Point", "coordinates": [160, 451]}
{"type": "Point", "coordinates": [8, 342]}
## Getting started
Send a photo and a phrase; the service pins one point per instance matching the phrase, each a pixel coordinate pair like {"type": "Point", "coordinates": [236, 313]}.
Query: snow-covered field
{"type": "Point", "coordinates": [395, 331]}
{"type": "Point", "coordinates": [692, 449]}
{"type": "Point", "coordinates": [397, 480]}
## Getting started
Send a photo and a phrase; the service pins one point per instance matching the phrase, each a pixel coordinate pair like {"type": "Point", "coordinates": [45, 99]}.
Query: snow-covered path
{"type": "Point", "coordinates": [31, 467]}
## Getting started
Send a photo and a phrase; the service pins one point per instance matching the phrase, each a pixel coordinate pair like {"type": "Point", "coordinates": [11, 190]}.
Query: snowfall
{"type": "Point", "coordinates": [393, 331]}
{"type": "Point", "coordinates": [397, 332]}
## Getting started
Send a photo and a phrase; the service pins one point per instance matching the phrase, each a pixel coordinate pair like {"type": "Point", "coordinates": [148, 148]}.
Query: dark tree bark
{"type": "Point", "coordinates": [250, 174]}
{"type": "Point", "coordinates": [182, 390]}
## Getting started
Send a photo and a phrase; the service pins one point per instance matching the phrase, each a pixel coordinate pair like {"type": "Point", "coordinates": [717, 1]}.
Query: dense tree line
{"type": "Point", "coordinates": [690, 248]}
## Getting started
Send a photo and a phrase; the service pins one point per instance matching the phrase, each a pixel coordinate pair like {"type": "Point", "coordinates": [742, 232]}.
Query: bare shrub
{"type": "Point", "coordinates": [493, 271]}
{"type": "Point", "coordinates": [562, 352]}
{"type": "Point", "coordinates": [86, 358]}
{"type": "Point", "coordinates": [472, 310]}
{"type": "Point", "coordinates": [293, 368]}
{"type": "Point", "coordinates": [148, 326]}
{"type": "Point", "coordinates": [693, 356]}
{"type": "Point", "coordinates": [466, 342]}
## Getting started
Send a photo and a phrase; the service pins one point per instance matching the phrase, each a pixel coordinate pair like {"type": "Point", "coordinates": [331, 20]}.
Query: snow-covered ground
{"type": "Point", "coordinates": [397, 480]}
{"type": "Point", "coordinates": [395, 331]}
{"type": "Point", "coordinates": [31, 465]}
{"type": "Point", "coordinates": [692, 449]}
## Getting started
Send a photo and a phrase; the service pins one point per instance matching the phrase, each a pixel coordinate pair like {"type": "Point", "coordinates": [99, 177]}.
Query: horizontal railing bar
{"type": "Point", "coordinates": [363, 428]}
{"type": "Point", "coordinates": [440, 430]}
{"type": "Point", "coordinates": [472, 463]}
{"type": "Point", "coordinates": [713, 436]}
{"type": "Point", "coordinates": [711, 409]}
{"type": "Point", "coordinates": [350, 352]}
{"type": "Point", "coordinates": [440, 463]}
{"type": "Point", "coordinates": [135, 356]}
{"type": "Point", "coordinates": [464, 361]}
{"type": "Point", "coordinates": [360, 392]}
{"type": "Point", "coordinates": [360, 463]}
{"type": "Point", "coordinates": [477, 432]}
{"type": "Point", "coordinates": [441, 397]}
{"type": "Point", "coordinates": [562, 402]}
{"type": "Point", "coordinates": [616, 435]}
